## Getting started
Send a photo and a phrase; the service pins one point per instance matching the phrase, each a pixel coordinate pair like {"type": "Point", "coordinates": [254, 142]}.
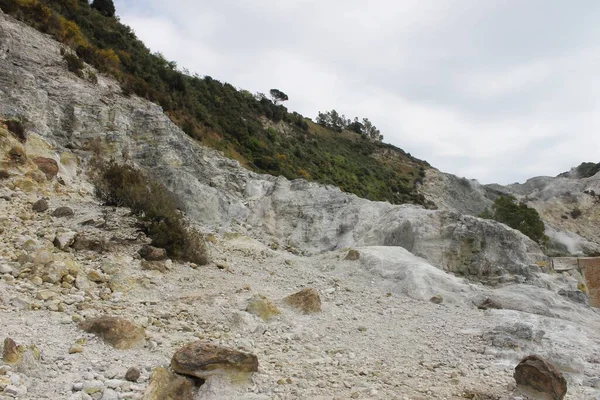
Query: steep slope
{"type": "Point", "coordinates": [259, 133]}
{"type": "Point", "coordinates": [218, 193]}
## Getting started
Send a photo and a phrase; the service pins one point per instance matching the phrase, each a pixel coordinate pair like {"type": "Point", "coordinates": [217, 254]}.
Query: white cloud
{"type": "Point", "coordinates": [494, 90]}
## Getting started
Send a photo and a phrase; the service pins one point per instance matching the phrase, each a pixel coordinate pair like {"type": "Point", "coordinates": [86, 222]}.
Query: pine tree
{"type": "Point", "coordinates": [106, 7]}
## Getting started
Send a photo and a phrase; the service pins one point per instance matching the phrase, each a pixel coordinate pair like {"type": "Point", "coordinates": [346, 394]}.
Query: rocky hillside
{"type": "Point", "coordinates": [311, 292]}
{"type": "Point", "coordinates": [568, 205]}
{"type": "Point", "coordinates": [258, 132]}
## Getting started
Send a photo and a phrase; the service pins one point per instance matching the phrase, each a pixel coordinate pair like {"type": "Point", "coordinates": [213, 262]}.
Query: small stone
{"type": "Point", "coordinates": [65, 239]}
{"type": "Point", "coordinates": [96, 276]}
{"type": "Point", "coordinates": [76, 348]}
{"type": "Point", "coordinates": [262, 307]}
{"type": "Point", "coordinates": [352, 255]}
{"type": "Point", "coordinates": [42, 257]}
{"type": "Point", "coordinates": [307, 300]}
{"type": "Point", "coordinates": [132, 374]}
{"type": "Point", "coordinates": [437, 299]}
{"type": "Point", "coordinates": [91, 387]}
{"type": "Point", "coordinates": [63, 212]}
{"type": "Point", "coordinates": [5, 269]}
{"type": "Point", "coordinates": [12, 353]}
{"type": "Point", "coordinates": [151, 253]}
{"type": "Point", "coordinates": [40, 205]}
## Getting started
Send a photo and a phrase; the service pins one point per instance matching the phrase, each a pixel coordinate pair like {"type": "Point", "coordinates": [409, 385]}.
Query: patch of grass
{"type": "Point", "coordinates": [155, 205]}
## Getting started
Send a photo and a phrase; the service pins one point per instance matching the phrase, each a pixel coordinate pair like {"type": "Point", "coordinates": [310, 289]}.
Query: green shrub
{"type": "Point", "coordinates": [74, 63]}
{"type": "Point", "coordinates": [576, 212]}
{"type": "Point", "coordinates": [16, 128]}
{"type": "Point", "coordinates": [518, 216]}
{"type": "Point", "coordinates": [157, 208]}
{"type": "Point", "coordinates": [588, 169]}
{"type": "Point", "coordinates": [4, 174]}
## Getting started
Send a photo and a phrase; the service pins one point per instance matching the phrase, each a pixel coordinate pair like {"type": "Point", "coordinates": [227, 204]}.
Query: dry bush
{"type": "Point", "coordinates": [157, 207]}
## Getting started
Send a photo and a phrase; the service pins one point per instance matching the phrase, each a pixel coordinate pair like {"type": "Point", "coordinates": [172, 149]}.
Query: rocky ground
{"type": "Point", "coordinates": [390, 325]}
{"type": "Point", "coordinates": [377, 335]}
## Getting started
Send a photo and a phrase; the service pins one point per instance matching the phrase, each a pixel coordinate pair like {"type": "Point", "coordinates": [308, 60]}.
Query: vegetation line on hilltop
{"type": "Point", "coordinates": [253, 129]}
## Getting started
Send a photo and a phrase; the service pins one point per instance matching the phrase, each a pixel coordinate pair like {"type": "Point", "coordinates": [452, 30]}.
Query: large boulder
{"type": "Point", "coordinates": [204, 360]}
{"type": "Point", "coordinates": [538, 378]}
{"type": "Point", "coordinates": [118, 332]}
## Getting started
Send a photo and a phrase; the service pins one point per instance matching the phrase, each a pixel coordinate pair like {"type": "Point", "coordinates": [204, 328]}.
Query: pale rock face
{"type": "Point", "coordinates": [217, 192]}
{"type": "Point", "coordinates": [553, 197]}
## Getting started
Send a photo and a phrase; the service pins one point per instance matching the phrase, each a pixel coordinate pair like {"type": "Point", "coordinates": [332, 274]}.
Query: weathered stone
{"type": "Point", "coordinates": [63, 240]}
{"type": "Point", "coordinates": [118, 332]}
{"type": "Point", "coordinates": [12, 353]}
{"type": "Point", "coordinates": [96, 276]}
{"type": "Point", "coordinates": [154, 266]}
{"type": "Point", "coordinates": [151, 253]}
{"type": "Point", "coordinates": [204, 360]}
{"type": "Point", "coordinates": [132, 374]}
{"type": "Point", "coordinates": [47, 165]}
{"type": "Point", "coordinates": [540, 379]}
{"type": "Point", "coordinates": [63, 212]}
{"type": "Point", "coordinates": [165, 385]}
{"type": "Point", "coordinates": [307, 300]}
{"type": "Point", "coordinates": [352, 255]}
{"type": "Point", "coordinates": [42, 257]}
{"type": "Point", "coordinates": [53, 272]}
{"type": "Point", "coordinates": [40, 205]}
{"type": "Point", "coordinates": [486, 303]}
{"type": "Point", "coordinates": [262, 307]}
{"type": "Point", "coordinates": [437, 299]}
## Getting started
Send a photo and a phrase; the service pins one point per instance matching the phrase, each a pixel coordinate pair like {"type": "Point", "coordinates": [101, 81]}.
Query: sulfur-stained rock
{"type": "Point", "coordinates": [307, 300]}
{"type": "Point", "coordinates": [12, 353]}
{"type": "Point", "coordinates": [165, 385]}
{"type": "Point", "coordinates": [262, 307]}
{"type": "Point", "coordinates": [203, 360]}
{"type": "Point", "coordinates": [47, 165]}
{"type": "Point", "coordinates": [118, 332]}
{"type": "Point", "coordinates": [538, 378]}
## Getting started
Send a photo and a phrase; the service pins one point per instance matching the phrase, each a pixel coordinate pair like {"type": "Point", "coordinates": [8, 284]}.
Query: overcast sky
{"type": "Point", "coordinates": [499, 91]}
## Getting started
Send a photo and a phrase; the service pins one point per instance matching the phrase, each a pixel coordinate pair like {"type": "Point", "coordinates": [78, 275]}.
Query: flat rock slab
{"type": "Point", "coordinates": [118, 332]}
{"type": "Point", "coordinates": [203, 360]}
{"type": "Point", "coordinates": [537, 377]}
